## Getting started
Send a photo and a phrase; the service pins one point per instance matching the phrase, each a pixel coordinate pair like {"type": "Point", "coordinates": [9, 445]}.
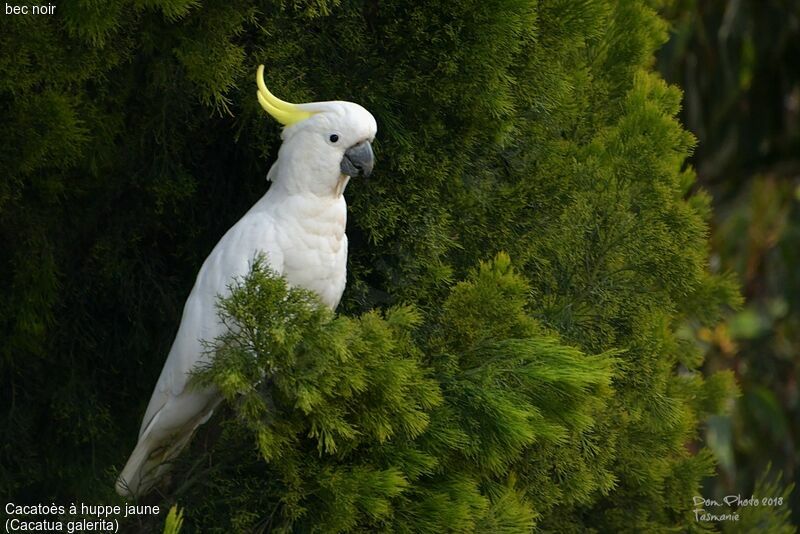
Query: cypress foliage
{"type": "Point", "coordinates": [357, 427]}
{"type": "Point", "coordinates": [453, 391]}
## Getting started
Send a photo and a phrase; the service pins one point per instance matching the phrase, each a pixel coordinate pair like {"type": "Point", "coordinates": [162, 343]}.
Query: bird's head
{"type": "Point", "coordinates": [324, 143]}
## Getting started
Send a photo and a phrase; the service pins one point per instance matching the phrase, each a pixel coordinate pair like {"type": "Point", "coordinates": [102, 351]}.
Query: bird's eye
{"type": "Point", "coordinates": [334, 138]}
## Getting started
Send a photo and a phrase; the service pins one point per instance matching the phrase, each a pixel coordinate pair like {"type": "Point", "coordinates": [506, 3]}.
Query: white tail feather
{"type": "Point", "coordinates": [154, 452]}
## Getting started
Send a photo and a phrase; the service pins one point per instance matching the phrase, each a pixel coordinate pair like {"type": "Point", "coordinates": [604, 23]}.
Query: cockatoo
{"type": "Point", "coordinates": [298, 225]}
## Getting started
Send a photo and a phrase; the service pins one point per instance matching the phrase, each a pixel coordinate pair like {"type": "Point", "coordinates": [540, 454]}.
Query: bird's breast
{"type": "Point", "coordinates": [315, 249]}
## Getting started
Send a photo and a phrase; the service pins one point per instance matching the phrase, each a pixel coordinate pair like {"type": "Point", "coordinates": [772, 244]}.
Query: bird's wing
{"type": "Point", "coordinates": [175, 411]}
{"type": "Point", "coordinates": [231, 258]}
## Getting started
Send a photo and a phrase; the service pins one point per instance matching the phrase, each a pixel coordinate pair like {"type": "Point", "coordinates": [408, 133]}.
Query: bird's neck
{"type": "Point", "coordinates": [304, 176]}
{"type": "Point", "coordinates": [330, 193]}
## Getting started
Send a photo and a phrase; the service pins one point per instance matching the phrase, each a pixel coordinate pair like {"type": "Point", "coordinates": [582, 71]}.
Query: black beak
{"type": "Point", "coordinates": [358, 160]}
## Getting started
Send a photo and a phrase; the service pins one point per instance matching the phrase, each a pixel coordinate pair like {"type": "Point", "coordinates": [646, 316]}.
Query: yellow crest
{"type": "Point", "coordinates": [284, 112]}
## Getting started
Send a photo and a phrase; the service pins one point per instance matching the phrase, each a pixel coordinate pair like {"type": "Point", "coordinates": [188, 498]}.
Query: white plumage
{"type": "Point", "coordinates": [299, 225]}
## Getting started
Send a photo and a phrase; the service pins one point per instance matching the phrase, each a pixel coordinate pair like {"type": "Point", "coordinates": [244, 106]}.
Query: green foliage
{"type": "Point", "coordinates": [174, 521]}
{"type": "Point", "coordinates": [736, 61]}
{"type": "Point", "coordinates": [362, 423]}
{"type": "Point", "coordinates": [760, 341]}
{"type": "Point", "coordinates": [772, 517]}
{"type": "Point", "coordinates": [449, 394]}
{"type": "Point", "coordinates": [333, 380]}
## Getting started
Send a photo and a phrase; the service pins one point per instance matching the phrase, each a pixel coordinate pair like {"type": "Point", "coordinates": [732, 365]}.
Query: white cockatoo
{"type": "Point", "coordinates": [298, 225]}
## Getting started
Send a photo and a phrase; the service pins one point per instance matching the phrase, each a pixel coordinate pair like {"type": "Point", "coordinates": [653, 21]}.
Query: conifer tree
{"type": "Point", "coordinates": [508, 354]}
